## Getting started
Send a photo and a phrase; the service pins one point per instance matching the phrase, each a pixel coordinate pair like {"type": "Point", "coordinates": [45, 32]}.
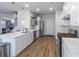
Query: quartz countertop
{"type": "Point", "coordinates": [16, 34]}
{"type": "Point", "coordinates": [12, 35]}
{"type": "Point", "coordinates": [34, 29]}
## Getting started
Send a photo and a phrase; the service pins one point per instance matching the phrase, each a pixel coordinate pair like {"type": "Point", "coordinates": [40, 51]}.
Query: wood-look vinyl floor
{"type": "Point", "coordinates": [43, 47]}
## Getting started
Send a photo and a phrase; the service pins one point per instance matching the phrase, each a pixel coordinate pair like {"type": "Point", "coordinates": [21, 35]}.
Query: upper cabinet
{"type": "Point", "coordinates": [74, 20]}
{"type": "Point", "coordinates": [72, 9]}
{"type": "Point", "coordinates": [66, 9]}
{"type": "Point", "coordinates": [23, 19]}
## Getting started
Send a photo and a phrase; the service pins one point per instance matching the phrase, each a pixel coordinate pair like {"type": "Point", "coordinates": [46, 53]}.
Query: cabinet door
{"type": "Point", "coordinates": [65, 50]}
{"type": "Point", "coordinates": [18, 45]}
{"type": "Point", "coordinates": [74, 15]}
{"type": "Point", "coordinates": [72, 8]}
{"type": "Point", "coordinates": [73, 18]}
{"type": "Point", "coordinates": [77, 14]}
{"type": "Point", "coordinates": [66, 9]}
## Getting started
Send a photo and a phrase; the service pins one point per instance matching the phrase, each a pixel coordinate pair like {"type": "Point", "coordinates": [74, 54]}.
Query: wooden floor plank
{"type": "Point", "coordinates": [43, 47]}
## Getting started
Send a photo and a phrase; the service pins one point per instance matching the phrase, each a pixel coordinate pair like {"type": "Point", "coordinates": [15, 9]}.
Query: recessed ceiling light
{"type": "Point", "coordinates": [51, 2]}
{"type": "Point", "coordinates": [66, 8]}
{"type": "Point", "coordinates": [51, 9]}
{"type": "Point", "coordinates": [73, 7]}
{"type": "Point", "coordinates": [12, 21]}
{"type": "Point", "coordinates": [26, 5]}
{"type": "Point", "coordinates": [22, 22]}
{"type": "Point", "coordinates": [37, 9]}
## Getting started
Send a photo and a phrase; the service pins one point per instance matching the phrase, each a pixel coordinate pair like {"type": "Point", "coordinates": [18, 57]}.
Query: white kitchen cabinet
{"type": "Point", "coordinates": [72, 8]}
{"type": "Point", "coordinates": [65, 50]}
{"type": "Point", "coordinates": [23, 41]}
{"type": "Point", "coordinates": [66, 9]}
{"type": "Point", "coordinates": [74, 16]}
{"type": "Point", "coordinates": [18, 41]}
{"type": "Point", "coordinates": [70, 47]}
{"type": "Point", "coordinates": [73, 20]}
{"type": "Point", "coordinates": [66, 12]}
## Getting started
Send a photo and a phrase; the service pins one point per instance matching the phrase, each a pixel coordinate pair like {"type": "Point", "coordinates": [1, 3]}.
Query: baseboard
{"type": "Point", "coordinates": [49, 35]}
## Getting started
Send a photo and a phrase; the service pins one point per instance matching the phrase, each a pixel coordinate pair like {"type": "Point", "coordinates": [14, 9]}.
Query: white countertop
{"type": "Point", "coordinates": [72, 44]}
{"type": "Point", "coordinates": [34, 29]}
{"type": "Point", "coordinates": [11, 35]}
{"type": "Point", "coordinates": [16, 34]}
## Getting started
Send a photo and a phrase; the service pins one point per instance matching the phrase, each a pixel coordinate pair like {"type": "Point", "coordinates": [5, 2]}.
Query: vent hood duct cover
{"type": "Point", "coordinates": [67, 17]}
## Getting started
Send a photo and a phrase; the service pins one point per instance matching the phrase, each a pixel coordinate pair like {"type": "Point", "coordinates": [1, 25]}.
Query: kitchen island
{"type": "Point", "coordinates": [18, 41]}
{"type": "Point", "coordinates": [70, 47]}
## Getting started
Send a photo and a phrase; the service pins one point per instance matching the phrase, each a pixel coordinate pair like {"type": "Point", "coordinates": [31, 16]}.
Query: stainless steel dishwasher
{"type": "Point", "coordinates": [5, 49]}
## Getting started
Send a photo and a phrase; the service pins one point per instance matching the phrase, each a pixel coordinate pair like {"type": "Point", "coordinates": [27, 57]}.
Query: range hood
{"type": "Point", "coordinates": [66, 17]}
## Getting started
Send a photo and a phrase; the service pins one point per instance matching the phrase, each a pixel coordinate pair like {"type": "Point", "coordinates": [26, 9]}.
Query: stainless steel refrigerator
{"type": "Point", "coordinates": [41, 28]}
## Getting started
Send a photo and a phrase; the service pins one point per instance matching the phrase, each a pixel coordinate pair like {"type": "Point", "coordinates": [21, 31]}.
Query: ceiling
{"type": "Point", "coordinates": [8, 7]}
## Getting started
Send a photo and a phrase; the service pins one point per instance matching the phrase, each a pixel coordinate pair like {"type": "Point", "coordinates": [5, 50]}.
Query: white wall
{"type": "Point", "coordinates": [49, 24]}
{"type": "Point", "coordinates": [58, 23]}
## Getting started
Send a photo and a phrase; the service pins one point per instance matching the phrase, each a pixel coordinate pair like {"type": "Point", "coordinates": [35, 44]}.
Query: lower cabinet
{"type": "Point", "coordinates": [23, 41]}
{"type": "Point", "coordinates": [65, 50]}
